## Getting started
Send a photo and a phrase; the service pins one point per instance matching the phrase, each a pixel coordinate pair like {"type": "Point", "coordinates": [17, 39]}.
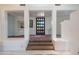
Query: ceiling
{"type": "Point", "coordinates": [16, 13]}
{"type": "Point", "coordinates": [35, 13]}
{"type": "Point", "coordinates": [31, 13]}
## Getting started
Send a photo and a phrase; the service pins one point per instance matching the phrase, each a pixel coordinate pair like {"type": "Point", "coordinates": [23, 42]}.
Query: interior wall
{"type": "Point", "coordinates": [70, 32]}
{"type": "Point", "coordinates": [48, 26]}
{"type": "Point", "coordinates": [33, 30]}
{"type": "Point", "coordinates": [19, 31]}
{"type": "Point", "coordinates": [67, 7]}
{"type": "Point", "coordinates": [62, 13]}
{"type": "Point", "coordinates": [61, 16]}
{"type": "Point", "coordinates": [13, 28]}
{"type": "Point", "coordinates": [11, 25]}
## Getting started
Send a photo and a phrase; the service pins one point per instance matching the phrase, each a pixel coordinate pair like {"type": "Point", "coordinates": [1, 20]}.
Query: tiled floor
{"type": "Point", "coordinates": [36, 52]}
{"type": "Point", "coordinates": [40, 37]}
{"type": "Point", "coordinates": [33, 52]}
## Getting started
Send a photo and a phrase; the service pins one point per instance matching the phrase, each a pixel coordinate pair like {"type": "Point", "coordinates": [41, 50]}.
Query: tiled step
{"type": "Point", "coordinates": [41, 40]}
{"type": "Point", "coordinates": [40, 44]}
{"type": "Point", "coordinates": [40, 48]}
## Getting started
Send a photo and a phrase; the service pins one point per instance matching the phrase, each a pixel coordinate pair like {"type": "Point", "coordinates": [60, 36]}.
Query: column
{"type": "Point", "coordinates": [54, 22]}
{"type": "Point", "coordinates": [26, 25]}
{"type": "Point", "coordinates": [3, 29]}
{"type": "Point", "coordinates": [3, 25]}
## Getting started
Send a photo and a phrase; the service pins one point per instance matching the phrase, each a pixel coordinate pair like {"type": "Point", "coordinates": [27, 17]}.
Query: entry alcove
{"type": "Point", "coordinates": [15, 24]}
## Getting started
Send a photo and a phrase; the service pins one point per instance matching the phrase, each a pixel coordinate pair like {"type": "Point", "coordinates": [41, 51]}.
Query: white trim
{"type": "Point", "coordinates": [54, 22]}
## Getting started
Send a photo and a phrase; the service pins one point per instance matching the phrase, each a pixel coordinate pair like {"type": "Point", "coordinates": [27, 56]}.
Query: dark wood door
{"type": "Point", "coordinates": [40, 26]}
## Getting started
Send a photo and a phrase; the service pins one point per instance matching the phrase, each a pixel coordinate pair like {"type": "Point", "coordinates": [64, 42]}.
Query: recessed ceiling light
{"type": "Point", "coordinates": [40, 14]}
{"type": "Point", "coordinates": [22, 4]}
{"type": "Point", "coordinates": [57, 4]}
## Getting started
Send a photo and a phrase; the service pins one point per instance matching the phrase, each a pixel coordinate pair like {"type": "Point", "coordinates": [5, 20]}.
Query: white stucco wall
{"type": "Point", "coordinates": [10, 44]}
{"type": "Point", "coordinates": [61, 16]}
{"type": "Point", "coordinates": [70, 32]}
{"type": "Point", "coordinates": [68, 9]}
{"type": "Point", "coordinates": [61, 42]}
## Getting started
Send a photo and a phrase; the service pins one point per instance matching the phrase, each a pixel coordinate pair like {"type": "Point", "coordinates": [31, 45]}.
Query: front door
{"type": "Point", "coordinates": [40, 26]}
